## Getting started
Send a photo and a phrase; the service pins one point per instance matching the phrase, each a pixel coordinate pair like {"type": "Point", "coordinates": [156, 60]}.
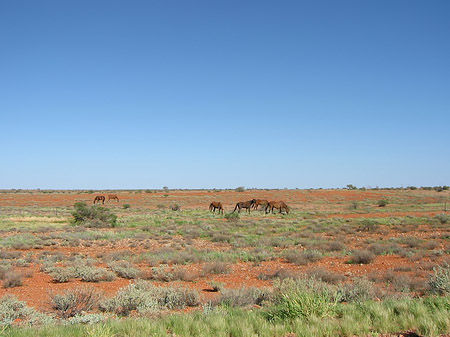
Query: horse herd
{"type": "Point", "coordinates": [269, 206]}
{"type": "Point", "coordinates": [102, 198]}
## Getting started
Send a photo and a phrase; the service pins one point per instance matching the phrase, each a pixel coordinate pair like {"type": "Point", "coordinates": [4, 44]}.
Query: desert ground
{"type": "Point", "coordinates": [387, 242]}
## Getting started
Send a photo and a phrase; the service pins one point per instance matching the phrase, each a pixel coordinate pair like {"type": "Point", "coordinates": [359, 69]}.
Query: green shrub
{"type": "Point", "coordinates": [442, 218]}
{"type": "Point", "coordinates": [439, 282]}
{"type": "Point", "coordinates": [12, 309]}
{"type": "Point", "coordinates": [94, 274]}
{"type": "Point", "coordinates": [93, 216]}
{"type": "Point", "coordinates": [124, 269]}
{"type": "Point", "coordinates": [143, 297]}
{"type": "Point", "coordinates": [240, 189]}
{"type": "Point", "coordinates": [305, 299]}
{"type": "Point", "coordinates": [382, 203]}
{"type": "Point", "coordinates": [126, 206]}
{"type": "Point", "coordinates": [243, 297]}
{"type": "Point", "coordinates": [88, 319]}
{"type": "Point", "coordinates": [369, 225]}
{"type": "Point", "coordinates": [303, 257]}
{"type": "Point", "coordinates": [61, 274]}
{"type": "Point", "coordinates": [232, 216]}
{"type": "Point", "coordinates": [359, 290]}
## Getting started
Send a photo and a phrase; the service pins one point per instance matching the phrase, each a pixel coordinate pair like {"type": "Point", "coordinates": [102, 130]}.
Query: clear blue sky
{"type": "Point", "coordinates": [204, 94]}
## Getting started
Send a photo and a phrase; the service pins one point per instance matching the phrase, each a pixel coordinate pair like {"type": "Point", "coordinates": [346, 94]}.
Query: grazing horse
{"type": "Point", "coordinates": [214, 205]}
{"type": "Point", "coordinates": [113, 197]}
{"type": "Point", "coordinates": [244, 204]}
{"type": "Point", "coordinates": [260, 202]}
{"type": "Point", "coordinates": [280, 205]}
{"type": "Point", "coordinates": [99, 198]}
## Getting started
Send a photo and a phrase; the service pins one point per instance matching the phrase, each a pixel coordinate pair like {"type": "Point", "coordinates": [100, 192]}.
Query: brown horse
{"type": "Point", "coordinates": [280, 205]}
{"type": "Point", "coordinates": [113, 197]}
{"type": "Point", "coordinates": [260, 202]}
{"type": "Point", "coordinates": [214, 205]}
{"type": "Point", "coordinates": [244, 204]}
{"type": "Point", "coordinates": [99, 198]}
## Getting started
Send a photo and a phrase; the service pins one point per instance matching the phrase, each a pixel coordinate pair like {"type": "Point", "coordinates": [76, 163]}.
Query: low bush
{"type": "Point", "coordinates": [76, 301]}
{"type": "Point", "coordinates": [325, 275]}
{"type": "Point", "coordinates": [442, 218]}
{"type": "Point", "coordinates": [216, 268]}
{"type": "Point", "coordinates": [124, 269]}
{"type": "Point", "coordinates": [11, 309]}
{"type": "Point", "coordinates": [334, 246]}
{"type": "Point", "coordinates": [382, 203]}
{"type": "Point", "coordinates": [362, 257]}
{"type": "Point", "coordinates": [94, 274]}
{"type": "Point", "coordinates": [439, 282]}
{"type": "Point", "coordinates": [304, 299]}
{"type": "Point", "coordinates": [12, 279]}
{"type": "Point", "coordinates": [4, 269]}
{"type": "Point", "coordinates": [359, 290]}
{"type": "Point", "coordinates": [242, 297]}
{"type": "Point", "coordinates": [143, 297]}
{"type": "Point", "coordinates": [279, 274]}
{"type": "Point", "coordinates": [232, 216]}
{"type": "Point", "coordinates": [93, 216]}
{"type": "Point", "coordinates": [61, 274]}
{"type": "Point", "coordinates": [369, 225]}
{"type": "Point", "coordinates": [303, 257]}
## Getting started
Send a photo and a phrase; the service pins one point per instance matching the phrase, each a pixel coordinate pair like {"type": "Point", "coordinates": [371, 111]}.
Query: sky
{"type": "Point", "coordinates": [219, 94]}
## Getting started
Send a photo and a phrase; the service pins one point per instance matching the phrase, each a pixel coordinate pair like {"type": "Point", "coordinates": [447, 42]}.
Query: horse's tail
{"type": "Point", "coordinates": [211, 206]}
{"type": "Point", "coordinates": [235, 207]}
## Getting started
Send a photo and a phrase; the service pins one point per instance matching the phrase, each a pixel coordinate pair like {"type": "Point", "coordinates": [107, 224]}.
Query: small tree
{"type": "Point", "coordinates": [240, 189]}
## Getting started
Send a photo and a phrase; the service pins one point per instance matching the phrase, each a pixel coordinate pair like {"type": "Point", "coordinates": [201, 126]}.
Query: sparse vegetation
{"type": "Point", "coordinates": [196, 252]}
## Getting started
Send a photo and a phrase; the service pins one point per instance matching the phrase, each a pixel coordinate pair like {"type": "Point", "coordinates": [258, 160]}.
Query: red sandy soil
{"type": "Point", "coordinates": [36, 289]}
